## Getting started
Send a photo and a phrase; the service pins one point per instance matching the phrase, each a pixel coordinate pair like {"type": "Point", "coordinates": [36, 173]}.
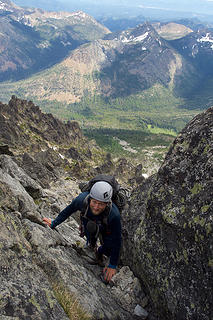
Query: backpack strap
{"type": "Point", "coordinates": [85, 207]}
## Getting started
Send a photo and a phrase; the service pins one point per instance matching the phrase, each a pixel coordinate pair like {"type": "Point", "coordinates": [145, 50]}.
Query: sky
{"type": "Point", "coordinates": [195, 6]}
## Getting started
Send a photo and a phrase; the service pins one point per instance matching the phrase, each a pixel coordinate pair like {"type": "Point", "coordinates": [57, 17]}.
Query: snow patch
{"type": "Point", "coordinates": [145, 175]}
{"type": "Point", "coordinates": [61, 155]}
{"type": "Point", "coordinates": [66, 43]}
{"type": "Point", "coordinates": [4, 6]}
{"type": "Point", "coordinates": [206, 38]}
{"type": "Point", "coordinates": [135, 39]}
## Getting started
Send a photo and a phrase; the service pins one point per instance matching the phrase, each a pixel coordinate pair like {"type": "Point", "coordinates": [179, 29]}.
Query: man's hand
{"type": "Point", "coordinates": [108, 273]}
{"type": "Point", "coordinates": [47, 221]}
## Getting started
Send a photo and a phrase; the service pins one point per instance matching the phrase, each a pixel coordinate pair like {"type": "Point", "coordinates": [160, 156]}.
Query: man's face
{"type": "Point", "coordinates": [97, 206]}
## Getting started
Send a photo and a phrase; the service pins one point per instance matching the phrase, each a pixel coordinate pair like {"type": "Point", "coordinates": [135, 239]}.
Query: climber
{"type": "Point", "coordinates": [101, 218]}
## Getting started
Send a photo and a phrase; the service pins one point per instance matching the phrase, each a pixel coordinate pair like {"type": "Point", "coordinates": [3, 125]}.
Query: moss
{"type": "Point", "coordinates": [182, 209]}
{"type": "Point", "coordinates": [196, 188]}
{"type": "Point", "coordinates": [169, 205]}
{"type": "Point", "coordinates": [149, 256]}
{"type": "Point", "coordinates": [210, 263]}
{"type": "Point", "coordinates": [3, 217]}
{"type": "Point", "coordinates": [14, 224]}
{"type": "Point", "coordinates": [195, 152]}
{"type": "Point", "coordinates": [50, 298]}
{"type": "Point", "coordinates": [208, 228]}
{"type": "Point", "coordinates": [35, 303]}
{"type": "Point", "coordinates": [177, 257]}
{"type": "Point", "coordinates": [166, 283]}
{"type": "Point", "coordinates": [199, 236]}
{"type": "Point", "coordinates": [38, 201]}
{"type": "Point", "coordinates": [169, 216]}
{"type": "Point", "coordinates": [199, 220]}
{"type": "Point", "coordinates": [184, 145]}
{"type": "Point", "coordinates": [207, 148]}
{"type": "Point", "coordinates": [205, 208]}
{"type": "Point", "coordinates": [185, 254]}
{"type": "Point", "coordinates": [68, 178]}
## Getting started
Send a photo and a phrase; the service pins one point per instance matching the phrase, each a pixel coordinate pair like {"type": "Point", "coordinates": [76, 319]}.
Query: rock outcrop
{"type": "Point", "coordinates": [37, 262]}
{"type": "Point", "coordinates": [169, 227]}
{"type": "Point", "coordinates": [46, 147]}
{"type": "Point", "coordinates": [41, 162]}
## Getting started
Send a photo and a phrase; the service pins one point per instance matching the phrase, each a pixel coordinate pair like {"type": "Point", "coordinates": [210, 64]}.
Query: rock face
{"type": "Point", "coordinates": [39, 265]}
{"type": "Point", "coordinates": [41, 143]}
{"type": "Point", "coordinates": [37, 262]}
{"type": "Point", "coordinates": [169, 226]}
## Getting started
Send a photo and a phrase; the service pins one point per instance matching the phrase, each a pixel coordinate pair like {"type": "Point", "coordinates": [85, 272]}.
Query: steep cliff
{"type": "Point", "coordinates": [169, 226]}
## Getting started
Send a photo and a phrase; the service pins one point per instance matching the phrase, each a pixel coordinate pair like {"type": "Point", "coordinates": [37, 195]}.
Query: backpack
{"type": "Point", "coordinates": [119, 198]}
{"type": "Point", "coordinates": [119, 195]}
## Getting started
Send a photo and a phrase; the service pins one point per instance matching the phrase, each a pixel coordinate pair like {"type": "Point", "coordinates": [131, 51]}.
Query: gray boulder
{"type": "Point", "coordinates": [168, 227]}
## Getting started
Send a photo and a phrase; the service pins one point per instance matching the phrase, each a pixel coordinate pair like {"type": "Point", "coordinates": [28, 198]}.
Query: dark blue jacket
{"type": "Point", "coordinates": [111, 234]}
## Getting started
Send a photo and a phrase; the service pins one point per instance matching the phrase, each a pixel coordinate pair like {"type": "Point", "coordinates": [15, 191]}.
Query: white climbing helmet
{"type": "Point", "coordinates": [101, 191]}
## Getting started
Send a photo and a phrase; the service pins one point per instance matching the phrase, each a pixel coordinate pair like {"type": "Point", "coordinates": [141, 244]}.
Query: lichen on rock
{"type": "Point", "coordinates": [172, 240]}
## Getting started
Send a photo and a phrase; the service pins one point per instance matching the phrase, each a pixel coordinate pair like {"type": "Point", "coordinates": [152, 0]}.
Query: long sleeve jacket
{"type": "Point", "coordinates": [111, 234]}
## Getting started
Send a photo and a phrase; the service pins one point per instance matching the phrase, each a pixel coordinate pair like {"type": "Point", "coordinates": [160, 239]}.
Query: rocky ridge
{"type": "Point", "coordinates": [37, 263]}
{"type": "Point", "coordinates": [39, 140]}
{"type": "Point", "coordinates": [120, 65]}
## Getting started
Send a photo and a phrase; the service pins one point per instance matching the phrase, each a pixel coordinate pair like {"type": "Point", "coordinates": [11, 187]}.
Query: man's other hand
{"type": "Point", "coordinates": [109, 273]}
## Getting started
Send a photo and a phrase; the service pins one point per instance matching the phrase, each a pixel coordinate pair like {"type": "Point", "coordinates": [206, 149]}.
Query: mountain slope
{"type": "Point", "coordinates": [105, 80]}
{"type": "Point", "coordinates": [32, 39]}
{"type": "Point", "coordinates": [171, 31]}
{"type": "Point", "coordinates": [120, 65]}
{"type": "Point", "coordinates": [197, 50]}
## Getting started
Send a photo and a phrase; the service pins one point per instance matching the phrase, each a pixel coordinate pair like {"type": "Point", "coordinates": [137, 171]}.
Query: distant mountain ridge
{"type": "Point", "coordinates": [90, 74]}
{"type": "Point", "coordinates": [197, 49]}
{"type": "Point", "coordinates": [120, 64]}
{"type": "Point", "coordinates": [8, 6]}
{"type": "Point", "coordinates": [33, 39]}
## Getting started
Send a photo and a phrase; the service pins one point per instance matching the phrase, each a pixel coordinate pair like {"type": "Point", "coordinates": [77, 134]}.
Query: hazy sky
{"type": "Point", "coordinates": [199, 6]}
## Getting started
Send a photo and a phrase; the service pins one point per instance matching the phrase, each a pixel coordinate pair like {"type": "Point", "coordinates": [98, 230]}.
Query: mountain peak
{"type": "Point", "coordinates": [138, 34]}
{"type": "Point", "coordinates": [7, 5]}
